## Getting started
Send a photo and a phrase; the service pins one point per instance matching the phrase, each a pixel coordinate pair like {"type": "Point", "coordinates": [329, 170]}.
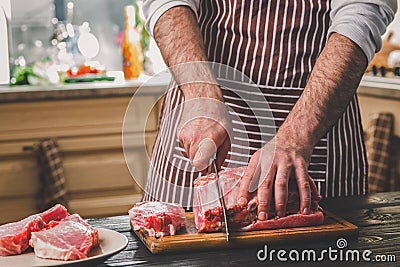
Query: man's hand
{"type": "Point", "coordinates": [204, 127]}
{"type": "Point", "coordinates": [270, 169]}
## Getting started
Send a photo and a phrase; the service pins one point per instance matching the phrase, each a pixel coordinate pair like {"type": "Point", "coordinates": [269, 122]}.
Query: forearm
{"type": "Point", "coordinates": [331, 86]}
{"type": "Point", "coordinates": [178, 36]}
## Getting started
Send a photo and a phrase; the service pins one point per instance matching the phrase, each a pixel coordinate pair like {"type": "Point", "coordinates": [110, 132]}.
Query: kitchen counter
{"type": "Point", "coordinates": [377, 95]}
{"type": "Point", "coordinates": [25, 93]}
{"type": "Point", "coordinates": [376, 215]}
{"type": "Point", "coordinates": [380, 87]}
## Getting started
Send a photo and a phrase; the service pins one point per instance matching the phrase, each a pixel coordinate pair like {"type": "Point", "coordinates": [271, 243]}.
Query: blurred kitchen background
{"type": "Point", "coordinates": [33, 26]}
{"type": "Point", "coordinates": [68, 70]}
{"type": "Point", "coordinates": [71, 33]}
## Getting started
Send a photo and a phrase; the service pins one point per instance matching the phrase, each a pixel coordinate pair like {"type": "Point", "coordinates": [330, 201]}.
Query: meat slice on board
{"type": "Point", "coordinates": [157, 218]}
{"type": "Point", "coordinates": [70, 239]}
{"type": "Point", "coordinates": [290, 221]}
{"type": "Point", "coordinates": [206, 205]}
{"type": "Point", "coordinates": [208, 212]}
{"type": "Point", "coordinates": [14, 237]}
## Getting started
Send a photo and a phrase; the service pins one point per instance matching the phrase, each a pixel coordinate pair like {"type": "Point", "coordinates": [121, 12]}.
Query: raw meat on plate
{"type": "Point", "coordinates": [70, 239]}
{"type": "Point", "coordinates": [14, 237]}
{"type": "Point", "coordinates": [157, 218]}
{"type": "Point", "coordinates": [208, 212]}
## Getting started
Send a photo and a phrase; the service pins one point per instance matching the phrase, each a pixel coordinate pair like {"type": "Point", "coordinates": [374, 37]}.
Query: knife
{"type": "Point", "coordinates": [221, 199]}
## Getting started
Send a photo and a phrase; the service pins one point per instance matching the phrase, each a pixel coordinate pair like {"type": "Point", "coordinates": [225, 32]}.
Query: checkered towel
{"type": "Point", "coordinates": [395, 159]}
{"type": "Point", "coordinates": [379, 137]}
{"type": "Point", "coordinates": [52, 189]}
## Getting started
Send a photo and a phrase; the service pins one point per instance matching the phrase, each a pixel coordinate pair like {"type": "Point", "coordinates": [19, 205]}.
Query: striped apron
{"type": "Point", "coordinates": [275, 44]}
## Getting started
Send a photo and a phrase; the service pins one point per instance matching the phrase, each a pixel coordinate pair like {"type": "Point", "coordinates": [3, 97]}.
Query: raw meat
{"type": "Point", "coordinates": [14, 237]}
{"type": "Point", "coordinates": [70, 239]}
{"type": "Point", "coordinates": [206, 206]}
{"type": "Point", "coordinates": [293, 220]}
{"type": "Point", "coordinates": [157, 218]}
{"type": "Point", "coordinates": [208, 212]}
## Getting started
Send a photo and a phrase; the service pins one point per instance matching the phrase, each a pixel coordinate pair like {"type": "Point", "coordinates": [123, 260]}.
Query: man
{"type": "Point", "coordinates": [306, 57]}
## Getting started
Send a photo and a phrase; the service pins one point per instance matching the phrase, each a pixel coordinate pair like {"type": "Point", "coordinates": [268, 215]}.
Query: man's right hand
{"type": "Point", "coordinates": [204, 125]}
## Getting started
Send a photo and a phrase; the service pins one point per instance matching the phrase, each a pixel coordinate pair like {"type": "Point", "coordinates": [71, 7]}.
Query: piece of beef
{"type": "Point", "coordinates": [157, 218]}
{"type": "Point", "coordinates": [14, 237]}
{"type": "Point", "coordinates": [70, 239]}
{"type": "Point", "coordinates": [293, 220]}
{"type": "Point", "coordinates": [206, 206]}
{"type": "Point", "coordinates": [208, 212]}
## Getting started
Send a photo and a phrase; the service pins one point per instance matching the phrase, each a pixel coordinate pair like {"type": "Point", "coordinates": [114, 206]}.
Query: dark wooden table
{"type": "Point", "coordinates": [376, 215]}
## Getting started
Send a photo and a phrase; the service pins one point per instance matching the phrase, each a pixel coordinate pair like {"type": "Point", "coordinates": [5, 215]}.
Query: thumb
{"type": "Point", "coordinates": [205, 151]}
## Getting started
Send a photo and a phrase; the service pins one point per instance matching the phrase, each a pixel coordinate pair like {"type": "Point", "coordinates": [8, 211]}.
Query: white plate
{"type": "Point", "coordinates": [111, 242]}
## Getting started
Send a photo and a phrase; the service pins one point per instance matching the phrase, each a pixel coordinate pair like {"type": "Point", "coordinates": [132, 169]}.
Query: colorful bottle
{"type": "Point", "coordinates": [131, 47]}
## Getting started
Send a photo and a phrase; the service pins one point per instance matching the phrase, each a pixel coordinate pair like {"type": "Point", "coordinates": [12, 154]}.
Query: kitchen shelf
{"type": "Point", "coordinates": [380, 87]}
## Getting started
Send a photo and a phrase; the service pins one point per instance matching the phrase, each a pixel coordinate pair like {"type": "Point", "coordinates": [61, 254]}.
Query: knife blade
{"type": "Point", "coordinates": [221, 199]}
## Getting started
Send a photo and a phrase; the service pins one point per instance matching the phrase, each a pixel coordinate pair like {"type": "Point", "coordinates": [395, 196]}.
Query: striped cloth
{"type": "Point", "coordinates": [272, 46]}
{"type": "Point", "coordinates": [394, 164]}
{"type": "Point", "coordinates": [52, 187]}
{"type": "Point", "coordinates": [379, 136]}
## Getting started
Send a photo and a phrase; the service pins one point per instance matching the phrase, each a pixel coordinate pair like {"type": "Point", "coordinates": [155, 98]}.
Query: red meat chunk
{"type": "Point", "coordinates": [206, 206]}
{"type": "Point", "coordinates": [70, 239]}
{"type": "Point", "coordinates": [14, 237]}
{"type": "Point", "coordinates": [157, 218]}
{"type": "Point", "coordinates": [290, 221]}
{"type": "Point", "coordinates": [208, 212]}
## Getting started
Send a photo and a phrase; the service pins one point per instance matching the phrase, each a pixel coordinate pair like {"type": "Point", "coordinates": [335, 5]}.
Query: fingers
{"type": "Point", "coordinates": [184, 143]}
{"type": "Point", "coordinates": [223, 152]}
{"type": "Point", "coordinates": [264, 194]}
{"type": "Point", "coordinates": [303, 185]}
{"type": "Point", "coordinates": [250, 172]}
{"type": "Point", "coordinates": [253, 204]}
{"type": "Point", "coordinates": [281, 190]}
{"type": "Point", "coordinates": [314, 190]}
{"type": "Point", "coordinates": [206, 150]}
{"type": "Point", "coordinates": [203, 128]}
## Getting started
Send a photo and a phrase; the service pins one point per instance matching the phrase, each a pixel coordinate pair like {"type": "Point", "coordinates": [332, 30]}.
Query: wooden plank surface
{"type": "Point", "coordinates": [189, 239]}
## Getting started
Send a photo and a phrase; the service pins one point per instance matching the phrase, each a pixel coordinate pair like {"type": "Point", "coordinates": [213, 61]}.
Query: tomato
{"type": "Point", "coordinates": [83, 69]}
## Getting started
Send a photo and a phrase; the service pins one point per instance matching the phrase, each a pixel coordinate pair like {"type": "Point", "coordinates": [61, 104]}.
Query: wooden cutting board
{"type": "Point", "coordinates": [189, 239]}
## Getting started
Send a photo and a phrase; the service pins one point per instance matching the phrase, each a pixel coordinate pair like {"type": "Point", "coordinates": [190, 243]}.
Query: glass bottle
{"type": "Point", "coordinates": [131, 47]}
